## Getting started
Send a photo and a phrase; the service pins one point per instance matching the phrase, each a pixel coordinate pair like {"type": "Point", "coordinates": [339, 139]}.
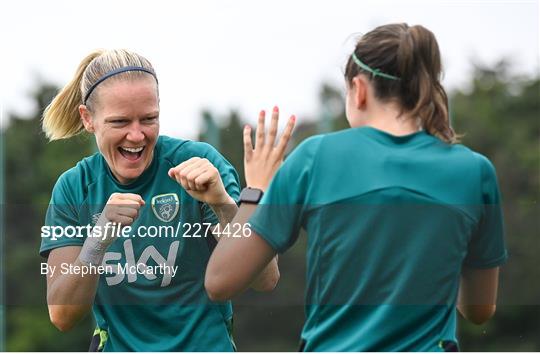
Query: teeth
{"type": "Point", "coordinates": [139, 149]}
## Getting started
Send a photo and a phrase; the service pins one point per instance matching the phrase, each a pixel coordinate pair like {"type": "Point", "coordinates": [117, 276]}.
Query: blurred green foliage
{"type": "Point", "coordinates": [498, 115]}
{"type": "Point", "coordinates": [32, 166]}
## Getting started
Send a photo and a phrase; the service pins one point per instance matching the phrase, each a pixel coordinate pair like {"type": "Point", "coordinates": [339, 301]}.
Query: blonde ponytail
{"type": "Point", "coordinates": [61, 119]}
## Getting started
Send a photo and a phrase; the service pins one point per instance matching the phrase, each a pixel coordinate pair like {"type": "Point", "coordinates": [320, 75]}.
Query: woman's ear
{"type": "Point", "coordinates": [86, 118]}
{"type": "Point", "coordinates": [359, 89]}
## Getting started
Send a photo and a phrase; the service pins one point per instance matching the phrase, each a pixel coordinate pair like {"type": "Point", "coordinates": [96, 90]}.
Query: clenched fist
{"type": "Point", "coordinates": [122, 209]}
{"type": "Point", "coordinates": [201, 180]}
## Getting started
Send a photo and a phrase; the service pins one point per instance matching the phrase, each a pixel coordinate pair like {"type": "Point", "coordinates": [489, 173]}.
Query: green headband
{"type": "Point", "coordinates": [374, 72]}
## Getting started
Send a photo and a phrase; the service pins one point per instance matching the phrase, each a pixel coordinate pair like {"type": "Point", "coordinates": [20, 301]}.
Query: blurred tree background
{"type": "Point", "coordinates": [498, 114]}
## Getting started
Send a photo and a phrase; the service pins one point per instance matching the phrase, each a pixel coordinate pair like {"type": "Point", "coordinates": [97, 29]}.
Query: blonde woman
{"type": "Point", "coordinates": [149, 293]}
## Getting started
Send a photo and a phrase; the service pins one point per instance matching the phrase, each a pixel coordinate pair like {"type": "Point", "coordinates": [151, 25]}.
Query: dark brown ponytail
{"type": "Point", "coordinates": [412, 54]}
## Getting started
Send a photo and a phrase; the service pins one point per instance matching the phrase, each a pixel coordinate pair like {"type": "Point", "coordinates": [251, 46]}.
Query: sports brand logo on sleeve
{"type": "Point", "coordinates": [165, 206]}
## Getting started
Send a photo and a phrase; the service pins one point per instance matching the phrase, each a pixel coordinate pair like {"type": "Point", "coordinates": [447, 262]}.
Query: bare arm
{"type": "Point", "coordinates": [267, 279]}
{"type": "Point", "coordinates": [201, 179]}
{"type": "Point", "coordinates": [69, 296]}
{"type": "Point", "coordinates": [227, 274]}
{"type": "Point", "coordinates": [478, 294]}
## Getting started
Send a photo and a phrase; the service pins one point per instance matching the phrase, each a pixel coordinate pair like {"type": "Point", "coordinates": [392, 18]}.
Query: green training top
{"type": "Point", "coordinates": [390, 221]}
{"type": "Point", "coordinates": [142, 304]}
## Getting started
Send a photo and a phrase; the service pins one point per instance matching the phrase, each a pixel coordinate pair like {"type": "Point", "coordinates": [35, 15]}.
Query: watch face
{"type": "Point", "coordinates": [251, 195]}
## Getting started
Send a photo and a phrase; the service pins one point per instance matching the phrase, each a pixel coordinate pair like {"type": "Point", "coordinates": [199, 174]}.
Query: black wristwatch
{"type": "Point", "coordinates": [251, 195]}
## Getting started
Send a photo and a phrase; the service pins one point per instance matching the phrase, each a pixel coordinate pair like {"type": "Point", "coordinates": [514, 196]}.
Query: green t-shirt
{"type": "Point", "coordinates": [390, 221]}
{"type": "Point", "coordinates": [150, 311]}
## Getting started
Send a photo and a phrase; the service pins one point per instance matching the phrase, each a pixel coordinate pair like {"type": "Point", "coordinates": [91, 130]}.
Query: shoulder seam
{"type": "Point", "coordinates": [170, 160]}
{"type": "Point", "coordinates": [93, 178]}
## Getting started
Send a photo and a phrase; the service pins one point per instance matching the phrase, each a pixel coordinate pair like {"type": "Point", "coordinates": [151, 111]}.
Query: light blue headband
{"type": "Point", "coordinates": [374, 72]}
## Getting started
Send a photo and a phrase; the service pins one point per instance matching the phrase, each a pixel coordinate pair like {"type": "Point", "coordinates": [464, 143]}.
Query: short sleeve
{"type": "Point", "coordinates": [279, 216]}
{"type": "Point", "coordinates": [487, 246]}
{"type": "Point", "coordinates": [230, 179]}
{"type": "Point", "coordinates": [62, 217]}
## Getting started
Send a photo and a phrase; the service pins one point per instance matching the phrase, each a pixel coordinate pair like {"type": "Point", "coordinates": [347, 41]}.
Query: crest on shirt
{"type": "Point", "coordinates": [165, 206]}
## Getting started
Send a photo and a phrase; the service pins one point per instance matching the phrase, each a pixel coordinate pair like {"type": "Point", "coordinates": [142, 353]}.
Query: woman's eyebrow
{"type": "Point", "coordinates": [109, 118]}
{"type": "Point", "coordinates": [151, 114]}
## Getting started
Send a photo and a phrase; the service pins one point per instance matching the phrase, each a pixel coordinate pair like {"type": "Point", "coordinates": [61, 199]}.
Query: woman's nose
{"type": "Point", "coordinates": [135, 133]}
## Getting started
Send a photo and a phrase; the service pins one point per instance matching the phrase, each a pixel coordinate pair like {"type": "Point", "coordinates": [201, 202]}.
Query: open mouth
{"type": "Point", "coordinates": [131, 154]}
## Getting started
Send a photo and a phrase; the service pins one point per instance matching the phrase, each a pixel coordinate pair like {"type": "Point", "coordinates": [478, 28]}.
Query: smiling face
{"type": "Point", "coordinates": [125, 122]}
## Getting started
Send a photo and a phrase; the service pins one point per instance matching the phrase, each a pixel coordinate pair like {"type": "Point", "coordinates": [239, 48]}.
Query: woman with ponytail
{"type": "Point", "coordinates": [403, 223]}
{"type": "Point", "coordinates": [145, 289]}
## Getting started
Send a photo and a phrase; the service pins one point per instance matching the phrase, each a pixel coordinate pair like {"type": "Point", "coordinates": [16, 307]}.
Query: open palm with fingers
{"type": "Point", "coordinates": [262, 161]}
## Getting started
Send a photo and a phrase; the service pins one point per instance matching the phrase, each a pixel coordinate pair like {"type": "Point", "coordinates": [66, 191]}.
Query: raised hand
{"type": "Point", "coordinates": [201, 180]}
{"type": "Point", "coordinates": [262, 162]}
